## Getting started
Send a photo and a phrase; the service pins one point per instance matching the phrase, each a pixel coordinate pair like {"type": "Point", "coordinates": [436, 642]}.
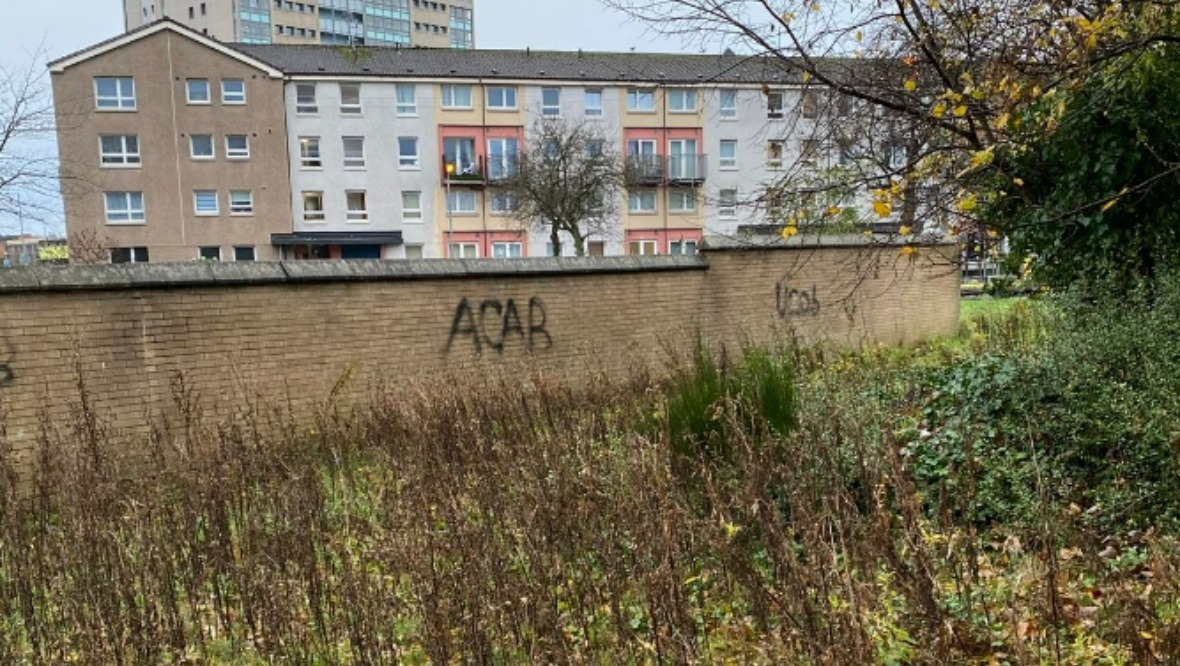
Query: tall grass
{"type": "Point", "coordinates": [515, 519]}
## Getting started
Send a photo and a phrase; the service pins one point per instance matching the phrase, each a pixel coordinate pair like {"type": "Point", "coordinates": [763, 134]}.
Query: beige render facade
{"type": "Point", "coordinates": [145, 194]}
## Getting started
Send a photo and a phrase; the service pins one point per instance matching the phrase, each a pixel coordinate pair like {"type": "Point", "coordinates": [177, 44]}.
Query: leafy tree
{"type": "Point", "coordinates": [565, 181]}
{"type": "Point", "coordinates": [1098, 174]}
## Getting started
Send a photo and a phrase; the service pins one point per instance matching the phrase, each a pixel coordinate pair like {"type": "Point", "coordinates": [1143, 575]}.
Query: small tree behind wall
{"type": "Point", "coordinates": [566, 179]}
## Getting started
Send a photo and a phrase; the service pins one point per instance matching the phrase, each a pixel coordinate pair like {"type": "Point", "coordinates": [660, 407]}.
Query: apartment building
{"type": "Point", "coordinates": [395, 153]}
{"type": "Point", "coordinates": [418, 23]}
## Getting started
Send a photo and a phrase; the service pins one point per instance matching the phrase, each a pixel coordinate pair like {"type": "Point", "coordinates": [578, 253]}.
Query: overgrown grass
{"type": "Point", "coordinates": [789, 507]}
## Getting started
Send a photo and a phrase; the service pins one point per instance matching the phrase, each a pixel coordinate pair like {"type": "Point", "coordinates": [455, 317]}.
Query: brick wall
{"type": "Point", "coordinates": [291, 330]}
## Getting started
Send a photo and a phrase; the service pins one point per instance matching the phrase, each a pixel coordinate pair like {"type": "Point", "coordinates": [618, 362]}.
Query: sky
{"type": "Point", "coordinates": [42, 30]}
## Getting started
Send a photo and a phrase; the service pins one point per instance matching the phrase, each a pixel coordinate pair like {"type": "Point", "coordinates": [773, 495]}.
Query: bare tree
{"type": "Point", "coordinates": [565, 181]}
{"type": "Point", "coordinates": [29, 177]}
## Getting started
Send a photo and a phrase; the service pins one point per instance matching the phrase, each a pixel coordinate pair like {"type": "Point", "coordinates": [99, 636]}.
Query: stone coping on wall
{"type": "Point", "coordinates": [805, 241]}
{"type": "Point", "coordinates": [197, 273]}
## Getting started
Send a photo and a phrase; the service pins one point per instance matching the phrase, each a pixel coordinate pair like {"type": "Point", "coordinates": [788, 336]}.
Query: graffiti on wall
{"type": "Point", "coordinates": [7, 356]}
{"type": "Point", "coordinates": [497, 324]}
{"type": "Point", "coordinates": [792, 302]}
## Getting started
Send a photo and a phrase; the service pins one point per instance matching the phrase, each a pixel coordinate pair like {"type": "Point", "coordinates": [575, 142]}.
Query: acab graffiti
{"type": "Point", "coordinates": [495, 323]}
{"type": "Point", "coordinates": [791, 302]}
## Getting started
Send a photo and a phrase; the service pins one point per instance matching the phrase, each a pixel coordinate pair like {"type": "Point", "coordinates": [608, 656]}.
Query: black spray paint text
{"type": "Point", "coordinates": [795, 302]}
{"type": "Point", "coordinates": [495, 323]}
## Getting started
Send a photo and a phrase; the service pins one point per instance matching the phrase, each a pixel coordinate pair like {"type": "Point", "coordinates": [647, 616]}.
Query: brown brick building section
{"type": "Point", "coordinates": [278, 331]}
{"type": "Point", "coordinates": [163, 121]}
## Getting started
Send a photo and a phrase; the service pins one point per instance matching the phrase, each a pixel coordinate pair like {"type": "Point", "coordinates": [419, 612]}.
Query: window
{"type": "Point", "coordinates": [682, 247]}
{"type": "Point", "coordinates": [502, 158]}
{"type": "Point", "coordinates": [503, 203]}
{"type": "Point", "coordinates": [810, 104]}
{"type": "Point", "coordinates": [727, 204]}
{"type": "Point", "coordinates": [682, 201]}
{"type": "Point", "coordinates": [413, 251]}
{"type": "Point", "coordinates": [597, 249]}
{"type": "Point", "coordinates": [201, 146]}
{"type": "Point", "coordinates": [313, 206]}
{"type": "Point", "coordinates": [595, 147]}
{"type": "Point", "coordinates": [124, 207]}
{"type": "Point", "coordinates": [594, 101]}
{"type": "Point", "coordinates": [197, 91]}
{"type": "Point", "coordinates": [550, 101]}
{"type": "Point", "coordinates": [205, 202]}
{"type": "Point", "coordinates": [729, 104]}
{"type": "Point", "coordinates": [237, 146]}
{"type": "Point", "coordinates": [809, 151]}
{"type": "Point", "coordinates": [463, 251]}
{"type": "Point", "coordinates": [727, 159]}
{"type": "Point", "coordinates": [115, 93]}
{"type": "Point", "coordinates": [456, 97]}
{"type": "Point", "coordinates": [241, 202]}
{"type": "Point", "coordinates": [233, 91]}
{"type": "Point", "coordinates": [350, 98]}
{"type": "Point", "coordinates": [506, 250]}
{"type": "Point", "coordinates": [407, 105]}
{"type": "Point", "coordinates": [461, 201]}
{"type": "Point", "coordinates": [774, 104]}
{"type": "Point", "coordinates": [119, 150]}
{"type": "Point", "coordinates": [682, 100]}
{"type": "Point", "coordinates": [358, 211]}
{"type": "Point", "coordinates": [411, 205]}
{"type": "Point", "coordinates": [641, 99]}
{"type": "Point", "coordinates": [642, 201]}
{"type": "Point", "coordinates": [502, 97]}
{"type": "Point", "coordinates": [244, 253]}
{"type": "Point", "coordinates": [407, 152]}
{"type": "Point", "coordinates": [897, 155]}
{"type": "Point", "coordinates": [642, 247]}
{"type": "Point", "coordinates": [305, 98]}
{"type": "Point", "coordinates": [354, 152]}
{"type": "Point", "coordinates": [309, 152]}
{"type": "Point", "coordinates": [129, 255]}
{"type": "Point", "coordinates": [774, 152]}
{"type": "Point", "coordinates": [209, 253]}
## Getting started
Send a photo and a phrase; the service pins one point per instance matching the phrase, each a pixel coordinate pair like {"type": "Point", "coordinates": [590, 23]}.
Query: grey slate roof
{"type": "Point", "coordinates": [320, 60]}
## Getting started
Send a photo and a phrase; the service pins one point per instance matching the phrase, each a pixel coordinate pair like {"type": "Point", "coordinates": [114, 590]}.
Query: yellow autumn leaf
{"type": "Point", "coordinates": [910, 85]}
{"type": "Point", "coordinates": [983, 157]}
{"type": "Point", "coordinates": [904, 230]}
{"type": "Point", "coordinates": [1018, 181]}
{"type": "Point", "coordinates": [860, 35]}
{"type": "Point", "coordinates": [960, 110]}
{"type": "Point", "coordinates": [806, 77]}
{"type": "Point", "coordinates": [939, 110]}
{"type": "Point", "coordinates": [967, 203]}
{"type": "Point", "coordinates": [883, 208]}
{"type": "Point", "coordinates": [1109, 204]}
{"type": "Point", "coordinates": [790, 230]}
{"type": "Point", "coordinates": [1147, 635]}
{"type": "Point", "coordinates": [908, 250]}
{"type": "Point", "coordinates": [833, 210]}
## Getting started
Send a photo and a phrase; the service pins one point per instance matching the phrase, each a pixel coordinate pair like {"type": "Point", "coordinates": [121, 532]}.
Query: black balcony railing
{"type": "Point", "coordinates": [670, 170]}
{"type": "Point", "coordinates": [464, 171]}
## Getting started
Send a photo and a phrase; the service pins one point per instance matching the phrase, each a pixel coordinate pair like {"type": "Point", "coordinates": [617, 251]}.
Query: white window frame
{"type": "Point", "coordinates": [551, 110]}
{"type": "Point", "coordinates": [449, 94]}
{"type": "Point", "coordinates": [232, 153]}
{"type": "Point", "coordinates": [728, 112]}
{"type": "Point", "coordinates": [192, 148]}
{"type": "Point", "coordinates": [132, 253]}
{"type": "Point", "coordinates": [123, 100]}
{"type": "Point", "coordinates": [412, 213]}
{"type": "Point", "coordinates": [504, 92]}
{"type": "Point", "coordinates": [771, 159]}
{"type": "Point", "coordinates": [356, 215]}
{"type": "Point", "coordinates": [351, 108]}
{"type": "Point", "coordinates": [409, 161]}
{"type": "Point", "coordinates": [406, 108]}
{"type": "Point", "coordinates": [727, 204]}
{"type": "Point", "coordinates": [353, 163]}
{"type": "Point", "coordinates": [304, 107]}
{"type": "Point", "coordinates": [126, 158]}
{"type": "Point", "coordinates": [313, 215]}
{"type": "Point", "coordinates": [201, 251]}
{"type": "Point", "coordinates": [463, 247]}
{"type": "Point", "coordinates": [454, 197]}
{"type": "Point", "coordinates": [774, 109]}
{"type": "Point", "coordinates": [308, 161]}
{"type": "Point", "coordinates": [593, 111]}
{"type": "Point", "coordinates": [215, 211]}
{"type": "Point", "coordinates": [504, 249]}
{"type": "Point", "coordinates": [253, 252]}
{"type": "Point", "coordinates": [677, 247]}
{"type": "Point", "coordinates": [640, 197]}
{"type": "Point", "coordinates": [188, 92]}
{"type": "Point", "coordinates": [233, 98]}
{"type": "Point", "coordinates": [634, 95]}
{"type": "Point", "coordinates": [414, 248]}
{"type": "Point", "coordinates": [503, 203]}
{"type": "Point", "coordinates": [644, 244]}
{"type": "Point", "coordinates": [241, 202]}
{"type": "Point", "coordinates": [677, 97]}
{"type": "Point", "coordinates": [677, 196]}
{"type": "Point", "coordinates": [129, 214]}
{"type": "Point", "coordinates": [727, 163]}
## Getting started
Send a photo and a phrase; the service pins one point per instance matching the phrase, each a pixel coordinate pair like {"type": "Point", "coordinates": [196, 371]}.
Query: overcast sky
{"type": "Point", "coordinates": [59, 27]}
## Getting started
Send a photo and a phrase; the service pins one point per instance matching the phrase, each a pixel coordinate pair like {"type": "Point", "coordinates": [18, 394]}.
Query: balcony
{"type": "Point", "coordinates": [464, 172]}
{"type": "Point", "coordinates": [671, 171]}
